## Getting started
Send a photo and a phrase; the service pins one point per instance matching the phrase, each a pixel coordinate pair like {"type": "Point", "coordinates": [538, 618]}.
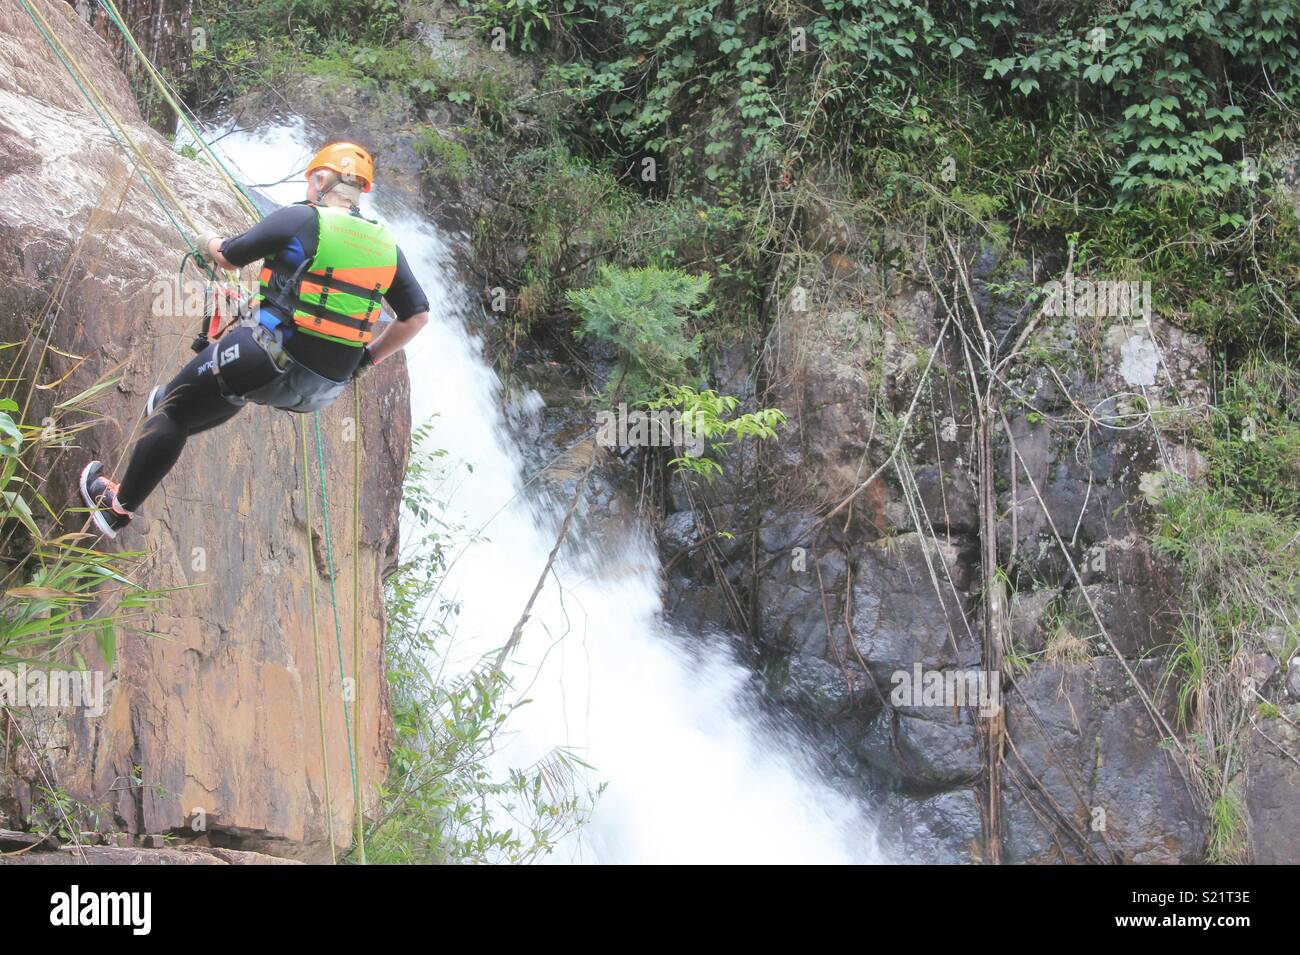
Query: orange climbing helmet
{"type": "Point", "coordinates": [346, 159]}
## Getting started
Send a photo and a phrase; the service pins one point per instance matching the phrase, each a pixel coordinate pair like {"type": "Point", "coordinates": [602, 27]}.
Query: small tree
{"type": "Point", "coordinates": [646, 314]}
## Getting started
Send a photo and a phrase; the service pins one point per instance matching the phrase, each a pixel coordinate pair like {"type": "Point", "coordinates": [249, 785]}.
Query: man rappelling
{"type": "Point", "coordinates": [312, 330]}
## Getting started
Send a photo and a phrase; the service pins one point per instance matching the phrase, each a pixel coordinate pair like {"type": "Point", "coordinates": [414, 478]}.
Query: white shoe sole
{"type": "Point", "coordinates": [95, 513]}
{"type": "Point", "coordinates": [151, 405]}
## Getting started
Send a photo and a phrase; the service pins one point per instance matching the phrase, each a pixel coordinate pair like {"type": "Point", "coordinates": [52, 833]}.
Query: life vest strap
{"type": "Point", "coordinates": [363, 323]}
{"type": "Point", "coordinates": [329, 280]}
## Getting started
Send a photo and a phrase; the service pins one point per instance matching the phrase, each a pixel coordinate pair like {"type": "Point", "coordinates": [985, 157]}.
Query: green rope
{"type": "Point", "coordinates": [315, 639]}
{"type": "Point", "coordinates": [329, 561]}
{"type": "Point", "coordinates": [158, 199]}
{"type": "Point", "coordinates": [356, 598]}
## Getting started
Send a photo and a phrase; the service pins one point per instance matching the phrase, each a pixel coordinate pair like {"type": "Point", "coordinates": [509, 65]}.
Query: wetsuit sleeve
{"type": "Point", "coordinates": [405, 296]}
{"type": "Point", "coordinates": [269, 236]}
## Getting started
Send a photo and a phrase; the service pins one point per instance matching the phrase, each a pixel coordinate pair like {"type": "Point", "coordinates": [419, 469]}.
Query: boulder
{"type": "Point", "coordinates": [924, 749]}
{"type": "Point", "coordinates": [943, 829]}
{"type": "Point", "coordinates": [901, 616]}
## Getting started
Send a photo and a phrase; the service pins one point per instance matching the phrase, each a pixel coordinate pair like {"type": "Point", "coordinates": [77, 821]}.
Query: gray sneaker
{"type": "Point", "coordinates": [100, 494]}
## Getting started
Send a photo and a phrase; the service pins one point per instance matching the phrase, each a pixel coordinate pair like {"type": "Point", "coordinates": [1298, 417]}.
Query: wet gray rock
{"type": "Point", "coordinates": [899, 616]}
{"type": "Point", "coordinates": [682, 542]}
{"type": "Point", "coordinates": [696, 606]}
{"type": "Point", "coordinates": [1029, 613]}
{"type": "Point", "coordinates": [1090, 748]}
{"type": "Point", "coordinates": [849, 362]}
{"type": "Point", "coordinates": [944, 829]}
{"type": "Point", "coordinates": [799, 602]}
{"type": "Point", "coordinates": [1136, 594]}
{"type": "Point", "coordinates": [951, 500]}
{"type": "Point", "coordinates": [924, 748]}
{"type": "Point", "coordinates": [823, 690]}
{"type": "Point", "coordinates": [1273, 790]}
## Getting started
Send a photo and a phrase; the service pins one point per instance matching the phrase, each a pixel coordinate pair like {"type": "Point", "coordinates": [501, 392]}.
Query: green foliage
{"type": "Point", "coordinates": [1175, 72]}
{"type": "Point", "coordinates": [11, 438]}
{"type": "Point", "coordinates": [711, 418]}
{"type": "Point", "coordinates": [256, 39]}
{"type": "Point", "coordinates": [1254, 449]}
{"type": "Point", "coordinates": [54, 587]}
{"type": "Point", "coordinates": [647, 314]}
{"type": "Point", "coordinates": [730, 90]}
{"type": "Point", "coordinates": [526, 22]}
{"type": "Point", "coordinates": [558, 217]}
{"type": "Point", "coordinates": [444, 800]}
{"type": "Point", "coordinates": [443, 155]}
{"type": "Point", "coordinates": [1227, 837]}
{"type": "Point", "coordinates": [57, 814]}
{"type": "Point", "coordinates": [59, 594]}
{"type": "Point", "coordinates": [312, 24]}
{"type": "Point", "coordinates": [1235, 535]}
{"type": "Point", "coordinates": [1245, 559]}
{"type": "Point", "coordinates": [565, 213]}
{"type": "Point", "coordinates": [643, 68]}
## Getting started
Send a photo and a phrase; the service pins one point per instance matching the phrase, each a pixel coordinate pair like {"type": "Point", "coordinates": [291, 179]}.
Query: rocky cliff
{"type": "Point", "coordinates": [211, 729]}
{"type": "Point", "coordinates": [836, 607]}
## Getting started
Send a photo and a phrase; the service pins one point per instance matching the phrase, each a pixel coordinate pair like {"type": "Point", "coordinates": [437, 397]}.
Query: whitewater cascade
{"type": "Point", "coordinates": [668, 720]}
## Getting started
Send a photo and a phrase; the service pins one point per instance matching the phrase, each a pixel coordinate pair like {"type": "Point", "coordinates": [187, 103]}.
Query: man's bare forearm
{"type": "Point", "coordinates": [214, 253]}
{"type": "Point", "coordinates": [396, 335]}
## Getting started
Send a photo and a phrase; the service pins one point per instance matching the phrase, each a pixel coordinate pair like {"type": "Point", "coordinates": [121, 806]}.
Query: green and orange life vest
{"type": "Point", "coordinates": [337, 293]}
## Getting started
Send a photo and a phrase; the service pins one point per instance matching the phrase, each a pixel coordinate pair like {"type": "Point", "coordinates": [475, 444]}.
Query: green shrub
{"type": "Point", "coordinates": [1170, 77]}
{"type": "Point", "coordinates": [712, 418]}
{"type": "Point", "coordinates": [54, 587]}
{"type": "Point", "coordinates": [647, 314]}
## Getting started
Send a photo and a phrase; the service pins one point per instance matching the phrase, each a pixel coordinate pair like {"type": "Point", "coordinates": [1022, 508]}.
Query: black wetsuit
{"type": "Point", "coordinates": [193, 400]}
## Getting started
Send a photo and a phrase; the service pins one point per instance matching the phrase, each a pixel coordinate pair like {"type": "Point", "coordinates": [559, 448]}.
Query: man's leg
{"type": "Point", "coordinates": [193, 402]}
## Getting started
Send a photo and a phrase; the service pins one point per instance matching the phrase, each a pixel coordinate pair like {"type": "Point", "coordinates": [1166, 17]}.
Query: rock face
{"type": "Point", "coordinates": [212, 717]}
{"type": "Point", "coordinates": [846, 607]}
{"type": "Point", "coordinates": [1097, 760]}
{"type": "Point", "coordinates": [1272, 783]}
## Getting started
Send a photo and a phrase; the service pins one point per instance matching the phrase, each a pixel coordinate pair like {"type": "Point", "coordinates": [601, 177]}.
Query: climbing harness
{"type": "Point", "coordinates": [295, 388]}
{"type": "Point", "coordinates": [219, 316]}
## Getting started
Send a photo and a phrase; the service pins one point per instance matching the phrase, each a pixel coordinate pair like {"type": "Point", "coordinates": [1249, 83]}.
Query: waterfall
{"type": "Point", "coordinates": [669, 721]}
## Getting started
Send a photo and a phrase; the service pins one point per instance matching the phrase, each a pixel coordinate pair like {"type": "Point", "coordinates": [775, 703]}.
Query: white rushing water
{"type": "Point", "coordinates": [668, 721]}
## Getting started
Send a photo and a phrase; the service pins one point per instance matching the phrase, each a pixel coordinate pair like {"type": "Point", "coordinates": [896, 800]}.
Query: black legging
{"type": "Point", "coordinates": [192, 403]}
